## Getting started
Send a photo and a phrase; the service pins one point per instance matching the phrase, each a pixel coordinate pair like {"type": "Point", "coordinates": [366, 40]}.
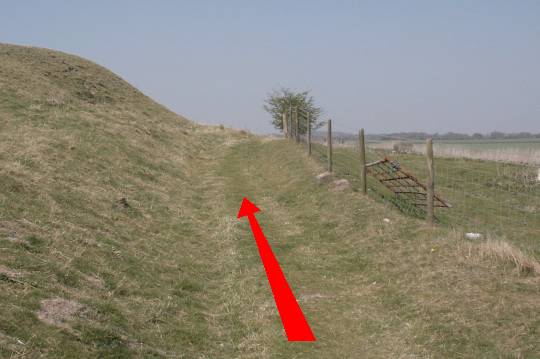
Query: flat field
{"type": "Point", "coordinates": [512, 150]}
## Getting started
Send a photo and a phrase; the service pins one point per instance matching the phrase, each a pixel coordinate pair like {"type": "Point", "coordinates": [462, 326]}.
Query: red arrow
{"type": "Point", "coordinates": [295, 324]}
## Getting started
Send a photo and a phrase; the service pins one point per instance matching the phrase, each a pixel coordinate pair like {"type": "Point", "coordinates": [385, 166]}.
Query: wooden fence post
{"type": "Point", "coordinates": [362, 143]}
{"type": "Point", "coordinates": [297, 138]}
{"type": "Point", "coordinates": [285, 126]}
{"type": "Point", "coordinates": [308, 129]}
{"type": "Point", "coordinates": [329, 145]}
{"type": "Point", "coordinates": [430, 182]}
{"type": "Point", "coordinates": [289, 123]}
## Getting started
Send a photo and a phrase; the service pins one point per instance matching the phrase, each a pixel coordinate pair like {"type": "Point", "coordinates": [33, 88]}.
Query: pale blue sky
{"type": "Point", "coordinates": [431, 66]}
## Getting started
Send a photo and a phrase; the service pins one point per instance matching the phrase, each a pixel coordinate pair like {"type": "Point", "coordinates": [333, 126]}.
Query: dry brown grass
{"type": "Point", "coordinates": [505, 154]}
{"type": "Point", "coordinates": [502, 251]}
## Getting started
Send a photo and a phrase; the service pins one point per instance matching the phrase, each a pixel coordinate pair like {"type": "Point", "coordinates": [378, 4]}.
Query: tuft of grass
{"type": "Point", "coordinates": [503, 251]}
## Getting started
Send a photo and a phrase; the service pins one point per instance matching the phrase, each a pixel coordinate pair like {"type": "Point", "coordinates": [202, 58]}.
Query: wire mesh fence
{"type": "Point", "coordinates": [497, 197]}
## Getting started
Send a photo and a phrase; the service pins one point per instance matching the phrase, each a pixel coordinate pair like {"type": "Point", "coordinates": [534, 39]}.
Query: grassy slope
{"type": "Point", "coordinates": [175, 274]}
{"type": "Point", "coordinates": [74, 140]}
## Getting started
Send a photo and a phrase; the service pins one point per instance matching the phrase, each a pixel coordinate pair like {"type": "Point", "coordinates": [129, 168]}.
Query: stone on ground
{"type": "Point", "coordinates": [324, 177]}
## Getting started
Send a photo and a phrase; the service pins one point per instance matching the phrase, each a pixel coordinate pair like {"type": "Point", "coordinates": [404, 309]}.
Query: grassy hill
{"type": "Point", "coordinates": [118, 238]}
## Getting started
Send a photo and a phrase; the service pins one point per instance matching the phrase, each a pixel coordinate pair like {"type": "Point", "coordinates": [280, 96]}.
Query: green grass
{"type": "Point", "coordinates": [174, 274]}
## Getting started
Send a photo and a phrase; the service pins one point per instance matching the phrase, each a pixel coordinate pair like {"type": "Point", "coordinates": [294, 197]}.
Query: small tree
{"type": "Point", "coordinates": [285, 101]}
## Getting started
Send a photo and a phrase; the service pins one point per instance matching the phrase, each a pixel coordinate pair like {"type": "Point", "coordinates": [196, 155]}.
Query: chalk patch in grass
{"type": "Point", "coordinates": [341, 185]}
{"type": "Point", "coordinates": [59, 311]}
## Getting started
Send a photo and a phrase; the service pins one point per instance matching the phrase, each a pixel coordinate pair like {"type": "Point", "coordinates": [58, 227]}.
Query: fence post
{"type": "Point", "coordinates": [308, 129]}
{"type": "Point", "coordinates": [329, 145]}
{"type": "Point", "coordinates": [362, 143]}
{"type": "Point", "coordinates": [284, 125]}
{"type": "Point", "coordinates": [289, 123]}
{"type": "Point", "coordinates": [430, 182]}
{"type": "Point", "coordinates": [297, 137]}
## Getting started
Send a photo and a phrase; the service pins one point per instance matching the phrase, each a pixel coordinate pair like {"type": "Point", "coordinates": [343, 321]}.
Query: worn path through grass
{"type": "Point", "coordinates": [367, 288]}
